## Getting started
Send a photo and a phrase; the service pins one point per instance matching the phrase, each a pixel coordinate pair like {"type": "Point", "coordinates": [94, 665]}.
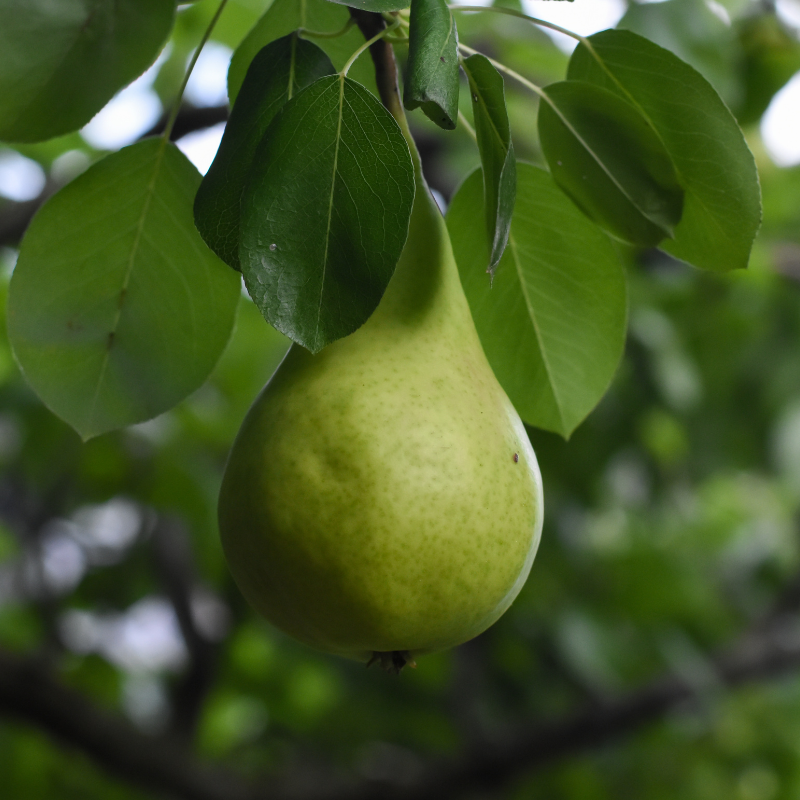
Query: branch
{"type": "Point", "coordinates": [189, 120]}
{"type": "Point", "coordinates": [161, 763]}
{"type": "Point", "coordinates": [755, 657]}
{"type": "Point", "coordinates": [15, 217]}
{"type": "Point", "coordinates": [158, 763]}
{"type": "Point", "coordinates": [174, 562]}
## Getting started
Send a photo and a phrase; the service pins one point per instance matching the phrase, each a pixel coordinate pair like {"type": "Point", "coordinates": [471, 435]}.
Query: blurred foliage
{"type": "Point", "coordinates": [671, 513]}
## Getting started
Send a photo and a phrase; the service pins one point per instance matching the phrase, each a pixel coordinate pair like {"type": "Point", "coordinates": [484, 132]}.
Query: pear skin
{"type": "Point", "coordinates": [382, 496]}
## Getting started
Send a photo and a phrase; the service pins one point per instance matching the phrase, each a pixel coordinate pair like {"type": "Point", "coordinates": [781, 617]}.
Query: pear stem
{"type": "Point", "coordinates": [392, 661]}
{"type": "Point", "coordinates": [383, 58]}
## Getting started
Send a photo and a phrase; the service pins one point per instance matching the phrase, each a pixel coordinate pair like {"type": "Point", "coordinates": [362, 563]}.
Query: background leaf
{"type": "Point", "coordinates": [553, 323]}
{"type": "Point", "coordinates": [286, 16]}
{"type": "Point", "coordinates": [722, 208]}
{"type": "Point", "coordinates": [497, 151]}
{"type": "Point", "coordinates": [609, 160]}
{"type": "Point", "coordinates": [117, 310]}
{"type": "Point", "coordinates": [276, 74]}
{"type": "Point", "coordinates": [770, 57]}
{"type": "Point", "coordinates": [432, 73]}
{"type": "Point", "coordinates": [696, 34]}
{"type": "Point", "coordinates": [61, 62]}
{"type": "Point", "coordinates": [326, 211]}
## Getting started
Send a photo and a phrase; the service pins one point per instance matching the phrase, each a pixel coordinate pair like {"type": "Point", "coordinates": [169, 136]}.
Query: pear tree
{"type": "Point", "coordinates": [382, 499]}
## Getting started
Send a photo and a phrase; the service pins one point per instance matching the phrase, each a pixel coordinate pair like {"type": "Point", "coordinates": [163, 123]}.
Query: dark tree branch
{"type": "Point", "coordinates": [15, 217]}
{"type": "Point", "coordinates": [189, 120]}
{"type": "Point", "coordinates": [31, 694]}
{"type": "Point", "coordinates": [174, 563]}
{"type": "Point", "coordinates": [755, 657]}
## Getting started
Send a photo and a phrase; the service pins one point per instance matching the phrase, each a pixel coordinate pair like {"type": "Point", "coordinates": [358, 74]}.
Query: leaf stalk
{"type": "Point", "coordinates": [177, 105]}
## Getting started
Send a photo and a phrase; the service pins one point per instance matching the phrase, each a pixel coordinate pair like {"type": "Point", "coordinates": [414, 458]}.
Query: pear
{"type": "Point", "coordinates": [382, 499]}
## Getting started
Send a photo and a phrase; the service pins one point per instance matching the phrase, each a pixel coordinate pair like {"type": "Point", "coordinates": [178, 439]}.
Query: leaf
{"type": "Point", "coordinates": [432, 80]}
{"type": "Point", "coordinates": [276, 74]}
{"type": "Point", "coordinates": [61, 62]}
{"type": "Point", "coordinates": [610, 161]}
{"type": "Point", "coordinates": [286, 16]}
{"type": "Point", "coordinates": [696, 34]}
{"type": "Point", "coordinates": [553, 323]}
{"type": "Point", "coordinates": [496, 149]}
{"type": "Point", "coordinates": [325, 213]}
{"type": "Point", "coordinates": [770, 57]}
{"type": "Point", "coordinates": [722, 206]}
{"type": "Point", "coordinates": [378, 6]}
{"type": "Point", "coordinates": [117, 310]}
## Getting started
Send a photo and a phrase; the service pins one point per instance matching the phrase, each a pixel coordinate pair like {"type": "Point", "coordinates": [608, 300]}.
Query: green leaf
{"type": "Point", "coordinates": [117, 310]}
{"type": "Point", "coordinates": [276, 74]}
{"type": "Point", "coordinates": [378, 6]}
{"type": "Point", "coordinates": [432, 79]}
{"type": "Point", "coordinates": [496, 149]}
{"type": "Point", "coordinates": [553, 323]}
{"type": "Point", "coordinates": [610, 161]}
{"type": "Point", "coordinates": [697, 35]}
{"type": "Point", "coordinates": [284, 17]}
{"type": "Point", "coordinates": [61, 62]}
{"type": "Point", "coordinates": [722, 207]}
{"type": "Point", "coordinates": [325, 213]}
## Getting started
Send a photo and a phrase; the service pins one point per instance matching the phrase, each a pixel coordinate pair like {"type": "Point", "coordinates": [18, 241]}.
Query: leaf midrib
{"type": "Point", "coordinates": [330, 206]}
{"type": "Point", "coordinates": [110, 343]}
{"type": "Point", "coordinates": [512, 246]}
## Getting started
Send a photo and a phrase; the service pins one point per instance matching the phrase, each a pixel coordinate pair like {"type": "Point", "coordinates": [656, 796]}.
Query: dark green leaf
{"type": "Point", "coordinates": [284, 17]}
{"type": "Point", "coordinates": [722, 208]}
{"type": "Point", "coordinates": [61, 62]}
{"type": "Point", "coordinates": [610, 161]}
{"type": "Point", "coordinates": [325, 212]}
{"type": "Point", "coordinates": [117, 310]}
{"type": "Point", "coordinates": [432, 79]}
{"type": "Point", "coordinates": [497, 152]}
{"type": "Point", "coordinates": [553, 323]}
{"type": "Point", "coordinates": [377, 6]}
{"type": "Point", "coordinates": [276, 74]}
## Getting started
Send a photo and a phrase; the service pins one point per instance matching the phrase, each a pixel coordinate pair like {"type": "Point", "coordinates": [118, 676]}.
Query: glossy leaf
{"type": "Point", "coordinates": [432, 79]}
{"type": "Point", "coordinates": [497, 152]}
{"type": "Point", "coordinates": [722, 208]}
{"type": "Point", "coordinates": [553, 323]}
{"type": "Point", "coordinates": [61, 62]}
{"type": "Point", "coordinates": [325, 212]}
{"type": "Point", "coordinates": [285, 16]}
{"type": "Point", "coordinates": [276, 74]}
{"type": "Point", "coordinates": [378, 6]}
{"type": "Point", "coordinates": [117, 310]}
{"type": "Point", "coordinates": [610, 161]}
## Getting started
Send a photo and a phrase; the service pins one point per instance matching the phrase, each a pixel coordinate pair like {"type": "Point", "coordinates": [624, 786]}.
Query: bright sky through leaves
{"type": "Point", "coordinates": [780, 125]}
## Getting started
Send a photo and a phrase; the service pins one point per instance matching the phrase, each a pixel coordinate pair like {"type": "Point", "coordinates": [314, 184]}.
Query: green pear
{"type": "Point", "coordinates": [382, 498]}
